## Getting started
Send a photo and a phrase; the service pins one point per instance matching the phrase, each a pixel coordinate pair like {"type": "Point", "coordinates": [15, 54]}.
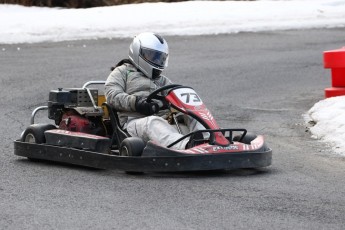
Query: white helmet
{"type": "Point", "coordinates": [149, 53]}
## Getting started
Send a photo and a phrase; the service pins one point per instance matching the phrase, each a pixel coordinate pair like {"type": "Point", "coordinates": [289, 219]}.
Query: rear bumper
{"type": "Point", "coordinates": [179, 163]}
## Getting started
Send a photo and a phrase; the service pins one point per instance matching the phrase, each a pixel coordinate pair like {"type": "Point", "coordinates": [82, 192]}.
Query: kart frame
{"type": "Point", "coordinates": [155, 158]}
{"type": "Point", "coordinates": [170, 163]}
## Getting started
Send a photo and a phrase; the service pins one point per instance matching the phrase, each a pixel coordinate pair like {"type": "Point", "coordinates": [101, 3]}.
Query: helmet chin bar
{"type": "Point", "coordinates": [148, 69]}
{"type": "Point", "coordinates": [156, 73]}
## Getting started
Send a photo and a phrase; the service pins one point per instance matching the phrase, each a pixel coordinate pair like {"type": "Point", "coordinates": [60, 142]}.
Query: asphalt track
{"type": "Point", "coordinates": [264, 82]}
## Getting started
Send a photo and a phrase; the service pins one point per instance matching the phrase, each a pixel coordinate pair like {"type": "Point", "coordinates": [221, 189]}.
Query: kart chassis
{"type": "Point", "coordinates": [155, 158]}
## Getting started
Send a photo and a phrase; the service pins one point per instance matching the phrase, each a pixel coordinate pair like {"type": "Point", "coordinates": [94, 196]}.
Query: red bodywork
{"type": "Point", "coordinates": [234, 147]}
{"type": "Point", "coordinates": [187, 101]}
{"type": "Point", "coordinates": [72, 121]}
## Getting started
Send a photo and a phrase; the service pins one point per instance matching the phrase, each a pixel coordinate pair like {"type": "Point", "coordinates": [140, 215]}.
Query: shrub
{"type": "Point", "coordinates": [78, 3]}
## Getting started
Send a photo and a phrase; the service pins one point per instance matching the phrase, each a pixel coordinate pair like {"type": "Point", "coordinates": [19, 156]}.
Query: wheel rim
{"type": "Point", "coordinates": [124, 151]}
{"type": "Point", "coordinates": [30, 138]}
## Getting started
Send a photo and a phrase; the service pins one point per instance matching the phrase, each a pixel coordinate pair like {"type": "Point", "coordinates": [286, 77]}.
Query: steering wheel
{"type": "Point", "coordinates": [154, 94]}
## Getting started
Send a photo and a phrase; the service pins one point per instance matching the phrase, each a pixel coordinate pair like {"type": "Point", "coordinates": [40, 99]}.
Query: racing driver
{"type": "Point", "coordinates": [132, 80]}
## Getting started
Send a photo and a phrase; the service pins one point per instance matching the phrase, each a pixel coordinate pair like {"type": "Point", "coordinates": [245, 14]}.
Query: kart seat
{"type": "Point", "coordinates": [118, 133]}
{"type": "Point", "coordinates": [101, 100]}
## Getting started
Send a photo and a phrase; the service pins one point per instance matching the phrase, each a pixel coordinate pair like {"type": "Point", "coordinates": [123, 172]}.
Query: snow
{"type": "Point", "coordinates": [36, 24]}
{"type": "Point", "coordinates": [327, 122]}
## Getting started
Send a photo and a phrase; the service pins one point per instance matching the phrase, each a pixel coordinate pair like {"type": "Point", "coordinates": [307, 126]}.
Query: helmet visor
{"type": "Point", "coordinates": [154, 57]}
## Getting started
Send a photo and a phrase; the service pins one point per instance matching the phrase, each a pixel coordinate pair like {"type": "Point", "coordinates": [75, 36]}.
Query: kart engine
{"type": "Point", "coordinates": [76, 110]}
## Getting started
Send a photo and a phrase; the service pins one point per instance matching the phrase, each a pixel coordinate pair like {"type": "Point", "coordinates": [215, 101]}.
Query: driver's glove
{"type": "Point", "coordinates": [146, 108]}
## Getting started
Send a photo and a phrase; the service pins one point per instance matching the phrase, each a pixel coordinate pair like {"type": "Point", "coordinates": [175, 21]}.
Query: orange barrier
{"type": "Point", "coordinates": [335, 60]}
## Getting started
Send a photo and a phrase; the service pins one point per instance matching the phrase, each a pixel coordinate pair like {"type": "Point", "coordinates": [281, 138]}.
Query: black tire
{"type": "Point", "coordinates": [35, 133]}
{"type": "Point", "coordinates": [246, 139]}
{"type": "Point", "coordinates": [132, 146]}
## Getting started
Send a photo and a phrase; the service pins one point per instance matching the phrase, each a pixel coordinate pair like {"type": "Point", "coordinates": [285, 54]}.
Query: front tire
{"type": "Point", "coordinates": [249, 137]}
{"type": "Point", "coordinates": [132, 146]}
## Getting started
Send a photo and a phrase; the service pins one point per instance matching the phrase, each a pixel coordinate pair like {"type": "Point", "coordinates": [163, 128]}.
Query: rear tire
{"type": "Point", "coordinates": [35, 134]}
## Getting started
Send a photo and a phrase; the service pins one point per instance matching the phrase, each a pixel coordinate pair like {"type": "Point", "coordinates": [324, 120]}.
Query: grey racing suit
{"type": "Point", "coordinates": [123, 85]}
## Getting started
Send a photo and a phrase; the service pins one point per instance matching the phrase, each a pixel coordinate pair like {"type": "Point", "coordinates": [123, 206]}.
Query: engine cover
{"type": "Point", "coordinates": [76, 98]}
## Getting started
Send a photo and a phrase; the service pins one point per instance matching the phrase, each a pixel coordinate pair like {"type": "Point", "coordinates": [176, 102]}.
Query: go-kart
{"type": "Point", "coordinates": [87, 132]}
